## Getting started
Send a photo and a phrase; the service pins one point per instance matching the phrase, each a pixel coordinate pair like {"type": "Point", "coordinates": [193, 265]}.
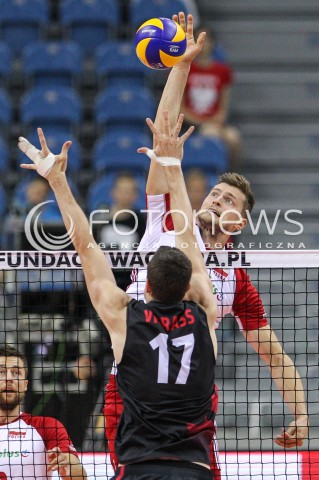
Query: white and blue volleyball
{"type": "Point", "coordinates": [160, 43]}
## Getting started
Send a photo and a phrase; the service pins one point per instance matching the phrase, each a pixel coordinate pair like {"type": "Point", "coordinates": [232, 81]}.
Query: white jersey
{"type": "Point", "coordinates": [24, 443]}
{"type": "Point", "coordinates": [234, 292]}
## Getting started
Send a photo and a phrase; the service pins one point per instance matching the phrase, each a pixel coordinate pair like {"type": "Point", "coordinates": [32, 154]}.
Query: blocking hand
{"type": "Point", "coordinates": [168, 144]}
{"type": "Point", "coordinates": [44, 162]}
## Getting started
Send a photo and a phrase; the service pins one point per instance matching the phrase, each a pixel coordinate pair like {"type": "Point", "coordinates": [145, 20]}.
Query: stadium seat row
{"type": "Point", "coordinates": [88, 22]}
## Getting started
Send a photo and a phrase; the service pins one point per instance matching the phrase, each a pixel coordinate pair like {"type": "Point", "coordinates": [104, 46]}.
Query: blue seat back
{"type": "Point", "coordinates": [55, 63]}
{"type": "Point", "coordinates": [89, 21]}
{"type": "Point", "coordinates": [56, 107]}
{"type": "Point", "coordinates": [5, 109]}
{"type": "Point", "coordinates": [21, 22]}
{"type": "Point", "coordinates": [116, 61]}
{"type": "Point", "coordinates": [209, 154]}
{"type": "Point", "coordinates": [141, 10]}
{"type": "Point", "coordinates": [124, 106]}
{"type": "Point", "coordinates": [117, 151]}
{"type": "Point", "coordinates": [5, 60]}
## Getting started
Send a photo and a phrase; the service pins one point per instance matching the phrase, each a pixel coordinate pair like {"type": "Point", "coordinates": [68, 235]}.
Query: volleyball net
{"type": "Point", "coordinates": [46, 312]}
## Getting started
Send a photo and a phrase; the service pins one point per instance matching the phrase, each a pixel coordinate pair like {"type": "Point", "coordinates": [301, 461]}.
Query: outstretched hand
{"type": "Point", "coordinates": [193, 47]}
{"type": "Point", "coordinates": [44, 162]}
{"type": "Point", "coordinates": [295, 434]}
{"type": "Point", "coordinates": [168, 144]}
{"type": "Point", "coordinates": [59, 462]}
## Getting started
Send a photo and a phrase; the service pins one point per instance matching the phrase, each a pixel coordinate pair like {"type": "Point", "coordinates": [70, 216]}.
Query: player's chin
{"type": "Point", "coordinates": [207, 220]}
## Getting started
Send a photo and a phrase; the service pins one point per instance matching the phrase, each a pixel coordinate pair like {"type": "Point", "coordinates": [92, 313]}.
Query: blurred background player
{"type": "Point", "coordinates": [44, 438]}
{"type": "Point", "coordinates": [207, 95]}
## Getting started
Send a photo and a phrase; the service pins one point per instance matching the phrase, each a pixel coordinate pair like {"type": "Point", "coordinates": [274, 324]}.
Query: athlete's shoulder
{"type": "Point", "coordinates": [39, 421]}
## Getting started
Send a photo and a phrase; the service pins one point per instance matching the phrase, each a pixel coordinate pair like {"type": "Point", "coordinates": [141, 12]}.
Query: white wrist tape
{"type": "Point", "coordinates": [45, 164]}
{"type": "Point", "coordinates": [164, 161]}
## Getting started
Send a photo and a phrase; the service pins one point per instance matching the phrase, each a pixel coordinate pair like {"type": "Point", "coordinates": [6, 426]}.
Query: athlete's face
{"type": "Point", "coordinates": [223, 204]}
{"type": "Point", "coordinates": [13, 383]}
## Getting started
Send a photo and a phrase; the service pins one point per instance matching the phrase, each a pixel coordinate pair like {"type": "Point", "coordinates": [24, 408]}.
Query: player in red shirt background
{"type": "Point", "coordinates": [206, 98]}
{"type": "Point", "coordinates": [31, 447]}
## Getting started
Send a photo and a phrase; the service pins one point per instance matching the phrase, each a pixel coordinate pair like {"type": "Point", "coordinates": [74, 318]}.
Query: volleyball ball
{"type": "Point", "coordinates": [160, 43]}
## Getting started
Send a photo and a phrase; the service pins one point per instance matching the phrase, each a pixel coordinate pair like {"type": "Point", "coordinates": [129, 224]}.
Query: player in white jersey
{"type": "Point", "coordinates": [31, 447]}
{"type": "Point", "coordinates": [235, 294]}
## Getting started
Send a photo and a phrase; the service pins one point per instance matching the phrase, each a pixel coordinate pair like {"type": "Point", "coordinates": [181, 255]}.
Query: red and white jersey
{"type": "Point", "coordinates": [235, 294]}
{"type": "Point", "coordinates": [204, 88]}
{"type": "Point", "coordinates": [24, 443]}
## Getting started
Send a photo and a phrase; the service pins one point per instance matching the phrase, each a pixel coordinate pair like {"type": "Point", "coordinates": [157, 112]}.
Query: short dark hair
{"type": "Point", "coordinates": [240, 182]}
{"type": "Point", "coordinates": [169, 273]}
{"type": "Point", "coordinates": [8, 351]}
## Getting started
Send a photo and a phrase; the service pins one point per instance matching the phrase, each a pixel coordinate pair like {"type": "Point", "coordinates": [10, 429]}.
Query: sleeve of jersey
{"type": "Point", "coordinates": [158, 220]}
{"type": "Point", "coordinates": [54, 434]}
{"type": "Point", "coordinates": [247, 307]}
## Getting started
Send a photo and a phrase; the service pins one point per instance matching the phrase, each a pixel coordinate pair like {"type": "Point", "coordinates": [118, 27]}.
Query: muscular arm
{"type": "Point", "coordinates": [107, 298]}
{"type": "Point", "coordinates": [171, 99]}
{"type": "Point", "coordinates": [287, 380]}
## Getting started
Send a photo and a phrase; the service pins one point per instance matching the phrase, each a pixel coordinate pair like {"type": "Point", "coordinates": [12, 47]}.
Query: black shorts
{"type": "Point", "coordinates": [163, 470]}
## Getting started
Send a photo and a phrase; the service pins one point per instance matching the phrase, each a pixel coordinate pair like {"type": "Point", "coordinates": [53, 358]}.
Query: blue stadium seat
{"type": "Point", "coordinates": [209, 154]}
{"type": "Point", "coordinates": [99, 193]}
{"type": "Point", "coordinates": [4, 156]}
{"type": "Point", "coordinates": [141, 10]}
{"type": "Point", "coordinates": [5, 61]}
{"type": "Point", "coordinates": [57, 63]}
{"type": "Point", "coordinates": [116, 61]}
{"type": "Point", "coordinates": [126, 106]}
{"type": "Point", "coordinates": [117, 151]}
{"type": "Point", "coordinates": [52, 108]}
{"type": "Point", "coordinates": [55, 140]}
{"type": "Point", "coordinates": [5, 109]}
{"type": "Point", "coordinates": [21, 22]}
{"type": "Point", "coordinates": [89, 22]}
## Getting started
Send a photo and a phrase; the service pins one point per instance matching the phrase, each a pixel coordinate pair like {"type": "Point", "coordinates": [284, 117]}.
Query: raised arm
{"type": "Point", "coordinates": [168, 153]}
{"type": "Point", "coordinates": [106, 297]}
{"type": "Point", "coordinates": [172, 98]}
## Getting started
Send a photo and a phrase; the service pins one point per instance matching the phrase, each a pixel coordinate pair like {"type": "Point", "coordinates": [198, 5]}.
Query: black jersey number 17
{"type": "Point", "coordinates": [160, 342]}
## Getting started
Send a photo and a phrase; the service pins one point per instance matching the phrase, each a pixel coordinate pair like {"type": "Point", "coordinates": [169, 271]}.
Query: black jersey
{"type": "Point", "coordinates": [166, 380]}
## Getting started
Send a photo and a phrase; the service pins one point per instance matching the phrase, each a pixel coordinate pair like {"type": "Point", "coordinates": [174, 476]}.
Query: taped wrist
{"type": "Point", "coordinates": [164, 161]}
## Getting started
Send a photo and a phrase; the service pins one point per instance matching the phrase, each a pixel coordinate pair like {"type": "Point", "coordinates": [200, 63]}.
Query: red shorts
{"type": "Point", "coordinates": [113, 409]}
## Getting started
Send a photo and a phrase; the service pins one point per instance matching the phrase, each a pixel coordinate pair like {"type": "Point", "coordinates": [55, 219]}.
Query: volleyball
{"type": "Point", "coordinates": [160, 43]}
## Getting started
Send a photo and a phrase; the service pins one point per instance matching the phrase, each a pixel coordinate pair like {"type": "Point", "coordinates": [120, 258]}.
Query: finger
{"type": "Point", "coordinates": [201, 39]}
{"type": "Point", "coordinates": [187, 134]}
{"type": "Point", "coordinates": [190, 25]}
{"type": "Point", "coordinates": [142, 150]}
{"type": "Point", "coordinates": [175, 18]}
{"type": "Point", "coordinates": [151, 126]}
{"type": "Point", "coordinates": [28, 166]}
{"type": "Point", "coordinates": [178, 125]}
{"type": "Point", "coordinates": [65, 148]}
{"type": "Point", "coordinates": [43, 142]}
{"type": "Point", "coordinates": [167, 129]}
{"type": "Point", "coordinates": [182, 21]}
